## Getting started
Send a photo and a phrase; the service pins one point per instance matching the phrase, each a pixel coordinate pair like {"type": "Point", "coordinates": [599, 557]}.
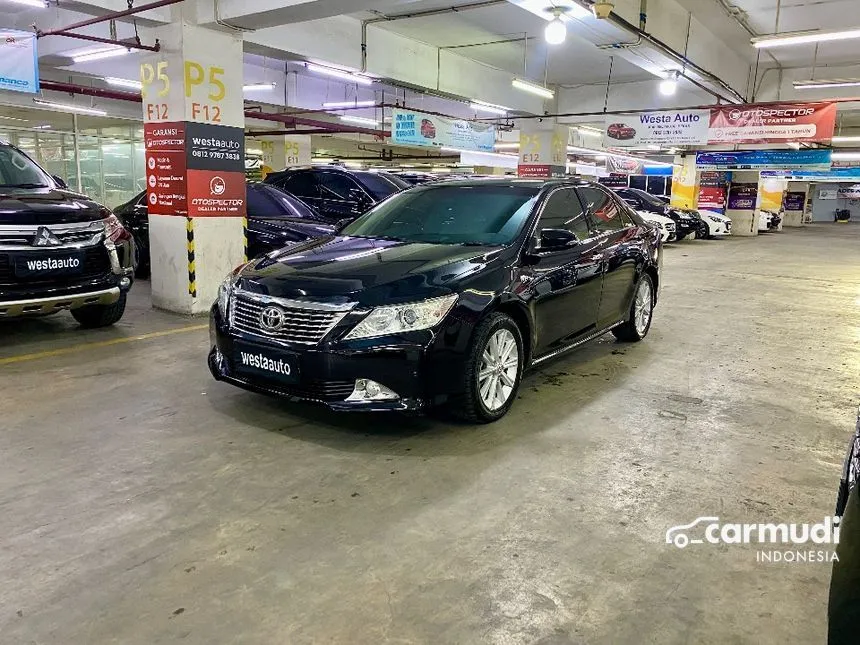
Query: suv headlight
{"type": "Point", "coordinates": [399, 318]}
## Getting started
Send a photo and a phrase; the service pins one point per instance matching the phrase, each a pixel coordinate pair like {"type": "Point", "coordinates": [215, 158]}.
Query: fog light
{"type": "Point", "coordinates": [124, 283]}
{"type": "Point", "coordinates": [367, 390]}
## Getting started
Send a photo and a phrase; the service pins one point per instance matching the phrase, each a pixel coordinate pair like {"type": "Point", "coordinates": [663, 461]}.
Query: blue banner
{"type": "Point", "coordinates": [834, 174]}
{"type": "Point", "coordinates": [19, 64]}
{"type": "Point", "coordinates": [818, 159]}
{"type": "Point", "coordinates": [420, 129]}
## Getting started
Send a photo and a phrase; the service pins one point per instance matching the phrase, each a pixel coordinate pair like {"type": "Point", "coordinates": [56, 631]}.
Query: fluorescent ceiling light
{"type": "Point", "coordinates": [100, 54]}
{"type": "Point", "coordinates": [841, 139]}
{"type": "Point", "coordinates": [823, 85]}
{"type": "Point", "coordinates": [12, 118]}
{"type": "Point", "coordinates": [339, 73]}
{"type": "Point", "coordinates": [477, 152]}
{"type": "Point", "coordinates": [507, 146]}
{"type": "Point", "coordinates": [599, 153]}
{"type": "Point", "coordinates": [802, 37]}
{"type": "Point", "coordinates": [540, 90]}
{"type": "Point", "coordinates": [343, 104]}
{"type": "Point", "coordinates": [65, 107]}
{"type": "Point", "coordinates": [42, 127]}
{"type": "Point", "coordinates": [39, 4]}
{"type": "Point", "coordinates": [845, 156]}
{"type": "Point", "coordinates": [252, 87]}
{"type": "Point", "coordinates": [589, 131]}
{"type": "Point", "coordinates": [359, 119]}
{"type": "Point", "coordinates": [480, 106]}
{"type": "Point", "coordinates": [123, 82]}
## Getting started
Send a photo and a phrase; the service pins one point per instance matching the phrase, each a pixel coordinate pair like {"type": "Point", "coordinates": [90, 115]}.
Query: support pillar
{"type": "Point", "coordinates": [284, 151]}
{"type": "Point", "coordinates": [685, 182]}
{"type": "Point", "coordinates": [795, 203]}
{"type": "Point", "coordinates": [195, 158]}
{"type": "Point", "coordinates": [741, 206]}
{"type": "Point", "coordinates": [543, 149]}
{"type": "Point", "coordinates": [771, 192]}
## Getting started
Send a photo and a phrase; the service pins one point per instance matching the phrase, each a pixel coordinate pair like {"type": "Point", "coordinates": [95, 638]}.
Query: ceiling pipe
{"type": "Point", "coordinates": [131, 45]}
{"type": "Point", "coordinates": [69, 88]}
{"type": "Point", "coordinates": [676, 55]}
{"type": "Point", "coordinates": [106, 17]}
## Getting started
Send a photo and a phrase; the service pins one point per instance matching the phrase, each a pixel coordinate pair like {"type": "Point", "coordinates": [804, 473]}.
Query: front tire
{"type": "Point", "coordinates": [638, 322]}
{"type": "Point", "coordinates": [494, 369]}
{"type": "Point", "coordinates": [93, 316]}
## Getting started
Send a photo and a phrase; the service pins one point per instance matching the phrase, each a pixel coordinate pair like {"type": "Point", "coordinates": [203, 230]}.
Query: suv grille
{"type": "Point", "coordinates": [300, 324]}
{"type": "Point", "coordinates": [77, 235]}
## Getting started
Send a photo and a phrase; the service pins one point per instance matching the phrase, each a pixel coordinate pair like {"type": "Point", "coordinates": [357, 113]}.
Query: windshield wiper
{"type": "Point", "coordinates": [30, 185]}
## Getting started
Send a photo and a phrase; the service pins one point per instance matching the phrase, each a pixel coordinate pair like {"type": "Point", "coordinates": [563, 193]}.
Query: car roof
{"type": "Point", "coordinates": [511, 181]}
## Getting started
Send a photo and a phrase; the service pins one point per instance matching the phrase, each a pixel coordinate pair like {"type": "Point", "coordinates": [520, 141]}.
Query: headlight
{"type": "Point", "coordinates": [398, 318]}
{"type": "Point", "coordinates": [224, 293]}
{"type": "Point", "coordinates": [226, 290]}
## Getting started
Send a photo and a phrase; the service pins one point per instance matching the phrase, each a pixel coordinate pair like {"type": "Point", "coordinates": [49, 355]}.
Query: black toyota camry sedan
{"type": "Point", "coordinates": [442, 294]}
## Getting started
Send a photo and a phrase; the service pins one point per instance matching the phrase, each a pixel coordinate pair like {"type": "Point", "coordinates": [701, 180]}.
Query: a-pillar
{"type": "Point", "coordinates": [685, 182]}
{"type": "Point", "coordinates": [195, 158]}
{"type": "Point", "coordinates": [284, 151]}
{"type": "Point", "coordinates": [742, 201]}
{"type": "Point", "coordinates": [795, 203]}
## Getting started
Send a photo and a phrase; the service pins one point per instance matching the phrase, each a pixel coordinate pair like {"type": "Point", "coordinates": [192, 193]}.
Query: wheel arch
{"type": "Point", "coordinates": [523, 321]}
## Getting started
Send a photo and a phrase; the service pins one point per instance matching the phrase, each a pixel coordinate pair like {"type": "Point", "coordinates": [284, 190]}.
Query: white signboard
{"type": "Point", "coordinates": [670, 128]}
{"type": "Point", "coordinates": [19, 67]}
{"type": "Point", "coordinates": [828, 193]}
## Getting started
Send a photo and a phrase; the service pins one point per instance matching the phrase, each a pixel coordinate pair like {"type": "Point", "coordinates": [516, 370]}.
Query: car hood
{"type": "Point", "coordinates": [369, 271]}
{"type": "Point", "coordinates": [46, 206]}
{"type": "Point", "coordinates": [654, 217]}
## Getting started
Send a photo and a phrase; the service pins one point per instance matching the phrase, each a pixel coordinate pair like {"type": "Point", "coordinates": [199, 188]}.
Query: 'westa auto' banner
{"type": "Point", "coordinates": [776, 123]}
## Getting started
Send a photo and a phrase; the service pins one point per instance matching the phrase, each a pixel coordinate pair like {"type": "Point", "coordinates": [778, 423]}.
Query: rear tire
{"type": "Point", "coordinates": [93, 316]}
{"type": "Point", "coordinates": [493, 374]}
{"type": "Point", "coordinates": [638, 322]}
{"type": "Point", "coordinates": [141, 260]}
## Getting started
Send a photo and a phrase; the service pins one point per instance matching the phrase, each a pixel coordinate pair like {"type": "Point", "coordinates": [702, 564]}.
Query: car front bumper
{"type": "Point", "coordinates": [327, 373]}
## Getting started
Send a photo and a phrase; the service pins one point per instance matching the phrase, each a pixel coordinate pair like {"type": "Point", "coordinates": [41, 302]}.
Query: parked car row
{"type": "Point", "coordinates": [699, 224]}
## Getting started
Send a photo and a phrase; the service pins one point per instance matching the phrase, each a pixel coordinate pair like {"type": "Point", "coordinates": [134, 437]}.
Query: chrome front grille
{"type": "Point", "coordinates": [303, 322]}
{"type": "Point", "coordinates": [75, 235]}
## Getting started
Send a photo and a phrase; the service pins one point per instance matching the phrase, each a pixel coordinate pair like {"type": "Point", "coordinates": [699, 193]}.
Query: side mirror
{"type": "Point", "coordinates": [557, 238]}
{"type": "Point", "coordinates": [60, 181]}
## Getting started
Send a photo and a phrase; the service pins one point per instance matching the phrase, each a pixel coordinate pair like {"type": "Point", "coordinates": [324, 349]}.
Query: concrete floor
{"type": "Point", "coordinates": [142, 502]}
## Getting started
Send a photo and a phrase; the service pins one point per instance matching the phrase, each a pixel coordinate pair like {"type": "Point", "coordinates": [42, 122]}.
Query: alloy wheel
{"type": "Point", "coordinates": [642, 307]}
{"type": "Point", "coordinates": [500, 364]}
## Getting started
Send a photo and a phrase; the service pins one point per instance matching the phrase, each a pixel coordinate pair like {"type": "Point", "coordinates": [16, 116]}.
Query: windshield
{"type": "Point", "coordinates": [648, 197]}
{"type": "Point", "coordinates": [18, 171]}
{"type": "Point", "coordinates": [444, 214]}
{"type": "Point", "coordinates": [381, 185]}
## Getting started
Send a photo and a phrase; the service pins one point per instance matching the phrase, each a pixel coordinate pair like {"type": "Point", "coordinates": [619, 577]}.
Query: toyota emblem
{"type": "Point", "coordinates": [272, 319]}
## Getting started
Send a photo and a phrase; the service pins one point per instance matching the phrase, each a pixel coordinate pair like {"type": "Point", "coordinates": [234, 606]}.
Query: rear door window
{"type": "Point", "coordinates": [302, 184]}
{"type": "Point", "coordinates": [603, 211]}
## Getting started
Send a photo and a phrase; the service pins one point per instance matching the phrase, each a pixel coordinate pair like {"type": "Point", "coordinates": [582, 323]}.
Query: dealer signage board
{"type": "Point", "coordinates": [165, 168]}
{"type": "Point", "coordinates": [772, 123]}
{"type": "Point", "coordinates": [412, 128]}
{"type": "Point", "coordinates": [818, 159]}
{"type": "Point", "coordinates": [19, 64]}
{"type": "Point", "coordinates": [670, 128]}
{"type": "Point", "coordinates": [742, 196]}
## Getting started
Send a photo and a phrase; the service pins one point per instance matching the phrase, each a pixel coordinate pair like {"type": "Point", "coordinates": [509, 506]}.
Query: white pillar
{"type": "Point", "coordinates": [194, 134]}
{"type": "Point", "coordinates": [284, 151]}
{"type": "Point", "coordinates": [742, 200]}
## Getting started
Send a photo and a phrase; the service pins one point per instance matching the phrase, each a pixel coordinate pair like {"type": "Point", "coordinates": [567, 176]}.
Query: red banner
{"type": "Point", "coordinates": [214, 193]}
{"type": "Point", "coordinates": [777, 123]}
{"type": "Point", "coordinates": [165, 168]}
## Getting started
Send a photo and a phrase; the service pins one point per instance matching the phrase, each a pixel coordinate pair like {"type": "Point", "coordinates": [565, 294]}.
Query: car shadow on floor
{"type": "Point", "coordinates": [547, 396]}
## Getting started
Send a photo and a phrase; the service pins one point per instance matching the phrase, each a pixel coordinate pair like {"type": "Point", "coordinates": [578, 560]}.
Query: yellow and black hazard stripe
{"type": "Point", "coordinates": [245, 236]}
{"type": "Point", "coordinates": [192, 269]}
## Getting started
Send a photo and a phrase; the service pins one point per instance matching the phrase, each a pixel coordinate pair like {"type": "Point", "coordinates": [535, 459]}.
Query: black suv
{"type": "Point", "coordinates": [686, 222]}
{"type": "Point", "coordinates": [275, 219]}
{"type": "Point", "coordinates": [58, 249]}
{"type": "Point", "coordinates": [335, 192]}
{"type": "Point", "coordinates": [444, 293]}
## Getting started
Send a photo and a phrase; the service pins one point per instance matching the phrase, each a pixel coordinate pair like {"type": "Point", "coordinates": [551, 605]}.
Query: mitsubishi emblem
{"type": "Point", "coordinates": [44, 237]}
